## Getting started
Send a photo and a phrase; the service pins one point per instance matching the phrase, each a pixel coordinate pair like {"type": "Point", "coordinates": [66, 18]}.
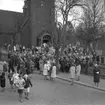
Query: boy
{"type": "Point", "coordinates": [27, 85]}
{"type": "Point", "coordinates": [20, 84]}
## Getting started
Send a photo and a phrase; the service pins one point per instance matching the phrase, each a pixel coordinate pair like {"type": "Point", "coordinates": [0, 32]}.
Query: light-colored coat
{"type": "Point", "coordinates": [72, 72]}
{"type": "Point", "coordinates": [53, 73]}
{"type": "Point", "coordinates": [78, 70]}
{"type": "Point", "coordinates": [45, 70]}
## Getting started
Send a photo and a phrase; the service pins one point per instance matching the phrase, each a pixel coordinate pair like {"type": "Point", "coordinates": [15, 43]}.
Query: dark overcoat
{"type": "Point", "coordinates": [96, 73]}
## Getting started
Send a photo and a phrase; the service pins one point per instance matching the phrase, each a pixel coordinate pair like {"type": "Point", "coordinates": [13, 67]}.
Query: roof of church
{"type": "Point", "coordinates": [8, 21]}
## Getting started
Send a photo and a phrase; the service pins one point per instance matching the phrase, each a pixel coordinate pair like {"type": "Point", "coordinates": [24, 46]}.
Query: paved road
{"type": "Point", "coordinates": [85, 79]}
{"type": "Point", "coordinates": [55, 93]}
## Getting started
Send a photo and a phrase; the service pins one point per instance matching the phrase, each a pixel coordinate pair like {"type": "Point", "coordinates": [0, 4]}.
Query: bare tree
{"type": "Point", "coordinates": [64, 9]}
{"type": "Point", "coordinates": [93, 21]}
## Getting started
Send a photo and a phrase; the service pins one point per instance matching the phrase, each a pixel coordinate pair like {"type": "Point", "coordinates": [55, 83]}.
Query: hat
{"type": "Point", "coordinates": [25, 76]}
{"type": "Point", "coordinates": [4, 62]}
{"type": "Point", "coordinates": [95, 65]}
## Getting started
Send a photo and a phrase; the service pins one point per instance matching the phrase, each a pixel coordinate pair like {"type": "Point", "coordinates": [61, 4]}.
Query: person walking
{"type": "Point", "coordinates": [27, 86]}
{"type": "Point", "coordinates": [15, 78]}
{"type": "Point", "coordinates": [2, 81]}
{"type": "Point", "coordinates": [78, 70]}
{"type": "Point", "coordinates": [53, 72]}
{"type": "Point", "coordinates": [96, 73]}
{"type": "Point", "coordinates": [20, 85]}
{"type": "Point", "coordinates": [45, 71]}
{"type": "Point", "coordinates": [72, 73]}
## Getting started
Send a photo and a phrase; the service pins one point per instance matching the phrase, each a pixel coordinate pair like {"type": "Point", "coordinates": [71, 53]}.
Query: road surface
{"type": "Point", "coordinates": [45, 92]}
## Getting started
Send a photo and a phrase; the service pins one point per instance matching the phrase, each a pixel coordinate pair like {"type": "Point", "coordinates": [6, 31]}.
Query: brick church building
{"type": "Point", "coordinates": [38, 22]}
{"type": "Point", "coordinates": [9, 25]}
{"type": "Point", "coordinates": [32, 27]}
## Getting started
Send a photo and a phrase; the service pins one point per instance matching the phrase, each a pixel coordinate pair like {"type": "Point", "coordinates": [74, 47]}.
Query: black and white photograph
{"type": "Point", "coordinates": [52, 52]}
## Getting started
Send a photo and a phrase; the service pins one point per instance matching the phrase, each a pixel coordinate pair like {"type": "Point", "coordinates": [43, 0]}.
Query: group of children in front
{"type": "Point", "coordinates": [18, 82]}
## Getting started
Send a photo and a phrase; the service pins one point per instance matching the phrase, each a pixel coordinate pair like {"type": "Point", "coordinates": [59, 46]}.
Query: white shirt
{"type": "Point", "coordinates": [20, 83]}
{"type": "Point", "coordinates": [15, 77]}
{"type": "Point", "coordinates": [14, 48]}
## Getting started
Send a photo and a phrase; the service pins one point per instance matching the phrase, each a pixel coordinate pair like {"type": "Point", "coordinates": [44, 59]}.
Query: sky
{"type": "Point", "coordinates": [12, 5]}
{"type": "Point", "coordinates": [74, 17]}
{"type": "Point", "coordinates": [17, 5]}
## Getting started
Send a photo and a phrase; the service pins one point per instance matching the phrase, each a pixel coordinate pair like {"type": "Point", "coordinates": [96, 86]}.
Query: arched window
{"type": "Point", "coordinates": [46, 38]}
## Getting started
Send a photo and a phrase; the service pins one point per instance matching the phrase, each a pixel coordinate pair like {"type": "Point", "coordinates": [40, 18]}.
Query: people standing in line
{"type": "Point", "coordinates": [53, 72]}
{"type": "Point", "coordinates": [27, 86]}
{"type": "Point", "coordinates": [96, 73]}
{"type": "Point", "coordinates": [20, 85]}
{"type": "Point", "coordinates": [78, 71]}
{"type": "Point", "coordinates": [2, 81]}
{"type": "Point", "coordinates": [72, 73]}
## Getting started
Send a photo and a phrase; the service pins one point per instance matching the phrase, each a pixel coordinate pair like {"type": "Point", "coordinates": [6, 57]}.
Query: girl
{"type": "Point", "coordinates": [53, 73]}
{"type": "Point", "coordinates": [72, 73]}
{"type": "Point", "coordinates": [15, 78]}
{"type": "Point", "coordinates": [45, 71]}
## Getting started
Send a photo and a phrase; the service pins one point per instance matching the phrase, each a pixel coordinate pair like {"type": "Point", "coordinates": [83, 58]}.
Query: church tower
{"type": "Point", "coordinates": [41, 19]}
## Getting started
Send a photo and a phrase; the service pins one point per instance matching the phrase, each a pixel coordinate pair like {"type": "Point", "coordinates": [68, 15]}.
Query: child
{"type": "Point", "coordinates": [20, 85]}
{"type": "Point", "coordinates": [72, 73]}
{"type": "Point", "coordinates": [45, 71]}
{"type": "Point", "coordinates": [53, 73]}
{"type": "Point", "coordinates": [15, 78]}
{"type": "Point", "coordinates": [27, 85]}
{"type": "Point", "coordinates": [2, 81]}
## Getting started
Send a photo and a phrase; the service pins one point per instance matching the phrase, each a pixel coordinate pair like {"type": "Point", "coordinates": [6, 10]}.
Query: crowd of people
{"type": "Point", "coordinates": [76, 53]}
{"type": "Point", "coordinates": [23, 61]}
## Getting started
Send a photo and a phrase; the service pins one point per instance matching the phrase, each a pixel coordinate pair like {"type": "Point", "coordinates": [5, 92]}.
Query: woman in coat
{"type": "Point", "coordinates": [78, 70]}
{"type": "Point", "coordinates": [45, 71]}
{"type": "Point", "coordinates": [96, 73]}
{"type": "Point", "coordinates": [53, 72]}
{"type": "Point", "coordinates": [72, 73]}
